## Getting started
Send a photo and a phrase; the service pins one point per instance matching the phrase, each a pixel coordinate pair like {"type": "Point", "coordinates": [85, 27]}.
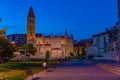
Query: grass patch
{"type": "Point", "coordinates": [20, 65]}
{"type": "Point", "coordinates": [4, 70]}
{"type": "Point", "coordinates": [16, 70]}
{"type": "Point", "coordinates": [18, 76]}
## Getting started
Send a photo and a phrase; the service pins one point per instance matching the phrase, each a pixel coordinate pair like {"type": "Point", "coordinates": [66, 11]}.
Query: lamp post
{"type": "Point", "coordinates": [27, 55]}
{"type": "Point", "coordinates": [13, 42]}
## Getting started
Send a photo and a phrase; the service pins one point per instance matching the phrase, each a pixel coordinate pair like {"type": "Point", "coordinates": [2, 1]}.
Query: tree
{"type": "Point", "coordinates": [6, 49]}
{"type": "Point", "coordinates": [78, 52]}
{"type": "Point", "coordinates": [47, 55]}
{"type": "Point", "coordinates": [29, 48]}
{"type": "Point", "coordinates": [71, 54]}
{"type": "Point", "coordinates": [83, 54]}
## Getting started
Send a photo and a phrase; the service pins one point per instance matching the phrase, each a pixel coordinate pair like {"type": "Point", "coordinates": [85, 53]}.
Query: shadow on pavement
{"type": "Point", "coordinates": [49, 70]}
{"type": "Point", "coordinates": [37, 78]}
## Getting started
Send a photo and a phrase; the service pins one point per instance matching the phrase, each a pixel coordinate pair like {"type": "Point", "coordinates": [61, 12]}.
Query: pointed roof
{"type": "Point", "coordinates": [31, 13]}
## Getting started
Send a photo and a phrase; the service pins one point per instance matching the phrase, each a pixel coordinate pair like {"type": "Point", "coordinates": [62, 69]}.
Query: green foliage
{"type": "Point", "coordinates": [21, 65]}
{"type": "Point", "coordinates": [83, 53]}
{"type": "Point", "coordinates": [78, 52]}
{"type": "Point", "coordinates": [6, 49]}
{"type": "Point", "coordinates": [47, 55]}
{"type": "Point", "coordinates": [29, 48]}
{"type": "Point", "coordinates": [17, 76]}
{"type": "Point", "coordinates": [71, 54]}
{"type": "Point", "coordinates": [4, 70]}
{"type": "Point", "coordinates": [90, 56]}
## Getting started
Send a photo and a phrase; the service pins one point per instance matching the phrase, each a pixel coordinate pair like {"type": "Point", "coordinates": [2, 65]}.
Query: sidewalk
{"type": "Point", "coordinates": [107, 65]}
{"type": "Point", "coordinates": [109, 62]}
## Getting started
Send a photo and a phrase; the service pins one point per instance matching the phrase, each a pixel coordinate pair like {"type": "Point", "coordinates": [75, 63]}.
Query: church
{"type": "Point", "coordinates": [58, 46]}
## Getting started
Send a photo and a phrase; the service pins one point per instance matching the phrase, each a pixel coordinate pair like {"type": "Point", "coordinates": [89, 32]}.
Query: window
{"type": "Point", "coordinates": [97, 41]}
{"type": "Point", "coordinates": [38, 42]}
{"type": "Point", "coordinates": [46, 42]}
{"type": "Point", "coordinates": [104, 41]}
{"type": "Point", "coordinates": [31, 34]}
{"type": "Point", "coordinates": [39, 49]}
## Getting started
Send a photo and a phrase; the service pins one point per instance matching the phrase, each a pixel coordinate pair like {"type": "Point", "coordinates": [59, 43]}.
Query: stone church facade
{"type": "Point", "coordinates": [58, 46]}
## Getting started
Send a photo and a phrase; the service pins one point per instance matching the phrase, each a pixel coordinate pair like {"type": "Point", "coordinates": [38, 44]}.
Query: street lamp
{"type": "Point", "coordinates": [13, 42]}
{"type": "Point", "coordinates": [27, 55]}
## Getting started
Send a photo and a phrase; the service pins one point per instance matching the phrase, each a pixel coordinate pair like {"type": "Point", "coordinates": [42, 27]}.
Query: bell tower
{"type": "Point", "coordinates": [30, 26]}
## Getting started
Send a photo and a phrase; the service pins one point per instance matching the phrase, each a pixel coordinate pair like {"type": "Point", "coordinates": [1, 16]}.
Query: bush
{"type": "Point", "coordinates": [90, 56]}
{"type": "Point", "coordinates": [99, 56]}
{"type": "Point", "coordinates": [6, 59]}
{"type": "Point", "coordinates": [83, 53]}
{"type": "Point", "coordinates": [71, 54]}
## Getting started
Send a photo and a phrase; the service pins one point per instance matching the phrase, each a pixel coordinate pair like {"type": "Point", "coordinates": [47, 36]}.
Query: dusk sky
{"type": "Point", "coordinates": [82, 18]}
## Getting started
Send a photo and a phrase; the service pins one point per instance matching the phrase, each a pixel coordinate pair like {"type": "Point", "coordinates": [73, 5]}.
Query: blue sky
{"type": "Point", "coordinates": [82, 18]}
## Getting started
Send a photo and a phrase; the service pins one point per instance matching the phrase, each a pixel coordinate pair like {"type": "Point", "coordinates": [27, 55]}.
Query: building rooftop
{"type": "Point", "coordinates": [83, 42]}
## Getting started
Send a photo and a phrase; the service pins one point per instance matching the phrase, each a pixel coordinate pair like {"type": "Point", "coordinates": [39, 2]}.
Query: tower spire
{"type": "Point", "coordinates": [31, 13]}
{"type": "Point", "coordinates": [30, 26]}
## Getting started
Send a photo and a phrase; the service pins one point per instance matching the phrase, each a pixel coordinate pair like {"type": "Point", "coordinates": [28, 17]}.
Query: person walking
{"type": "Point", "coordinates": [45, 65]}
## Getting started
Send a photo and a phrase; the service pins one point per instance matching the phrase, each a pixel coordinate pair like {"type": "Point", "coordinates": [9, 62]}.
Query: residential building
{"type": "Point", "coordinates": [100, 41]}
{"type": "Point", "coordinates": [107, 44]}
{"type": "Point", "coordinates": [82, 45]}
{"type": "Point", "coordinates": [18, 39]}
